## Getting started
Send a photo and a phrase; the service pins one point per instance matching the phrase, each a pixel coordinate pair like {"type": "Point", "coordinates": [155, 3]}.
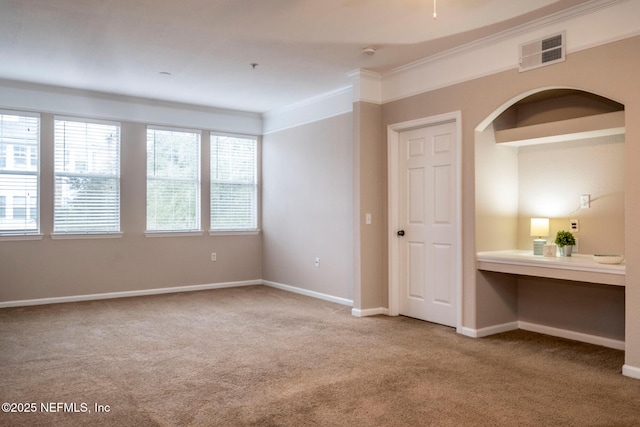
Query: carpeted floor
{"type": "Point", "coordinates": [257, 356]}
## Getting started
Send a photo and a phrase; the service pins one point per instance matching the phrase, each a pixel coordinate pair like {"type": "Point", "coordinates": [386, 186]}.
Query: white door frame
{"type": "Point", "coordinates": [393, 136]}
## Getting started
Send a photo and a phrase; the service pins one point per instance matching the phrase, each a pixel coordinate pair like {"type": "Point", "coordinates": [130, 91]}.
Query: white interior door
{"type": "Point", "coordinates": [427, 193]}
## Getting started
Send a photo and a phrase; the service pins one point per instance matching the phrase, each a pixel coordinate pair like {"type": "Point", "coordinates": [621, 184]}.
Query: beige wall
{"type": "Point", "coordinates": [553, 176]}
{"type": "Point", "coordinates": [49, 268]}
{"type": "Point", "coordinates": [575, 306]}
{"type": "Point", "coordinates": [370, 155]}
{"type": "Point", "coordinates": [497, 192]}
{"type": "Point", "coordinates": [514, 184]}
{"type": "Point", "coordinates": [307, 198]}
{"type": "Point", "coordinates": [609, 70]}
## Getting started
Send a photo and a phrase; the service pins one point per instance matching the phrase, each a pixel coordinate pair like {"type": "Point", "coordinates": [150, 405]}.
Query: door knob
{"type": "Point", "coordinates": [401, 233]}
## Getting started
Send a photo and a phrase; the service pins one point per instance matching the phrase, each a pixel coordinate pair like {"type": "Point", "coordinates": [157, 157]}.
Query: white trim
{"type": "Point", "coordinates": [572, 335]}
{"type": "Point", "coordinates": [489, 330]}
{"type": "Point", "coordinates": [631, 371]}
{"type": "Point", "coordinates": [71, 236]}
{"type": "Point", "coordinates": [369, 311]}
{"type": "Point", "coordinates": [321, 107]}
{"type": "Point", "coordinates": [127, 294]}
{"type": "Point", "coordinates": [176, 129]}
{"type": "Point", "coordinates": [499, 52]}
{"type": "Point", "coordinates": [467, 332]}
{"type": "Point", "coordinates": [543, 329]}
{"type": "Point", "coordinates": [83, 120]}
{"type": "Point", "coordinates": [173, 233]}
{"type": "Point", "coordinates": [393, 135]}
{"type": "Point", "coordinates": [490, 118]}
{"type": "Point", "coordinates": [308, 293]}
{"type": "Point", "coordinates": [234, 232]}
{"type": "Point", "coordinates": [15, 237]}
{"type": "Point", "coordinates": [367, 86]}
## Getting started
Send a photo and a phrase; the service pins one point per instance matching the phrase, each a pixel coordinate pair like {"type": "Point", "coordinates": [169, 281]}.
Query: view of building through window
{"type": "Point", "coordinates": [87, 177]}
{"type": "Point", "coordinates": [19, 173]}
{"type": "Point", "coordinates": [86, 172]}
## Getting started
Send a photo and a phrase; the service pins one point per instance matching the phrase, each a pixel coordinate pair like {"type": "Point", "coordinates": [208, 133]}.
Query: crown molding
{"type": "Point", "coordinates": [316, 108]}
{"type": "Point", "coordinates": [367, 86]}
{"type": "Point", "coordinates": [589, 25]}
{"type": "Point", "coordinates": [583, 9]}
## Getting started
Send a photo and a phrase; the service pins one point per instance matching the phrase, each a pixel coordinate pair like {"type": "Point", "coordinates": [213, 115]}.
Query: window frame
{"type": "Point", "coordinates": [175, 232]}
{"type": "Point", "coordinates": [95, 233]}
{"type": "Point", "coordinates": [255, 229]}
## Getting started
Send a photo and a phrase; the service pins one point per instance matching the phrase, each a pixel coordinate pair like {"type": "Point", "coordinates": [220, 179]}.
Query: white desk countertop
{"type": "Point", "coordinates": [580, 267]}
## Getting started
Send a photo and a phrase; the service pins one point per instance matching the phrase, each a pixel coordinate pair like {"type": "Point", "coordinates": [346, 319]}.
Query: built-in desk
{"type": "Point", "coordinates": [578, 267]}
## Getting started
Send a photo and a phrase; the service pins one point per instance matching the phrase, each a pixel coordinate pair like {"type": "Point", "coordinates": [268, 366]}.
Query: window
{"type": "Point", "coordinates": [173, 180]}
{"type": "Point", "coordinates": [19, 207]}
{"type": "Point", "coordinates": [20, 156]}
{"type": "Point", "coordinates": [233, 183]}
{"type": "Point", "coordinates": [87, 177]}
{"type": "Point", "coordinates": [19, 181]}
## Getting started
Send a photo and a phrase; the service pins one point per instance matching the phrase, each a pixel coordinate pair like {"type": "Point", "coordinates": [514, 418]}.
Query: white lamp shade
{"type": "Point", "coordinates": [539, 227]}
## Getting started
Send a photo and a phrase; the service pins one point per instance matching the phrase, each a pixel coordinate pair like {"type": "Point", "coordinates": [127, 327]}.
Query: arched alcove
{"type": "Point", "coordinates": [535, 156]}
{"type": "Point", "coordinates": [538, 156]}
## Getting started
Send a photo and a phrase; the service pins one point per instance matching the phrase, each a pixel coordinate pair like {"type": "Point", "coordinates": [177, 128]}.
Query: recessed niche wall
{"type": "Point", "coordinates": [551, 179]}
{"type": "Point", "coordinates": [535, 160]}
{"type": "Point", "coordinates": [538, 157]}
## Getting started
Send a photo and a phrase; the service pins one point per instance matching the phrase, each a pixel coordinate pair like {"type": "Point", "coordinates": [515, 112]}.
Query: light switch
{"type": "Point", "coordinates": [585, 201]}
{"type": "Point", "coordinates": [367, 219]}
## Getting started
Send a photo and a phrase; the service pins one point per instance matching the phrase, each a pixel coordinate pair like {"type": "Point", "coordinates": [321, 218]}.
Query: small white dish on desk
{"type": "Point", "coordinates": [608, 259]}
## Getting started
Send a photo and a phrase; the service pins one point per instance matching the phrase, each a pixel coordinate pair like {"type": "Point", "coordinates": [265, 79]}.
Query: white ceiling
{"type": "Point", "coordinates": [302, 47]}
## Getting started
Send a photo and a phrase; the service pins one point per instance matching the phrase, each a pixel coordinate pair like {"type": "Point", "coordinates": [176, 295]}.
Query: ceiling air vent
{"type": "Point", "coordinates": [546, 51]}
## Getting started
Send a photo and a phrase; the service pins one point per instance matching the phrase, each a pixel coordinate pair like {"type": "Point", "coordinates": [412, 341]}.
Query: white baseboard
{"type": "Point", "coordinates": [489, 330]}
{"type": "Point", "coordinates": [572, 335]}
{"type": "Point", "coordinates": [542, 329]}
{"type": "Point", "coordinates": [369, 311]}
{"type": "Point", "coordinates": [126, 294]}
{"type": "Point", "coordinates": [189, 288]}
{"type": "Point", "coordinates": [308, 293]}
{"type": "Point", "coordinates": [631, 371]}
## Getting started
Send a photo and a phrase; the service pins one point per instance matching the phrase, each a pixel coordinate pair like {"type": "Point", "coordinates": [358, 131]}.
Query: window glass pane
{"type": "Point", "coordinates": [87, 177]}
{"type": "Point", "coordinates": [173, 180]}
{"type": "Point", "coordinates": [19, 207]}
{"type": "Point", "coordinates": [233, 183]}
{"type": "Point", "coordinates": [19, 178]}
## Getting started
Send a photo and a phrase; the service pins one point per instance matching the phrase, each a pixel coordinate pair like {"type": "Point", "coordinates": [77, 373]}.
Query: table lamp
{"type": "Point", "coordinates": [539, 228]}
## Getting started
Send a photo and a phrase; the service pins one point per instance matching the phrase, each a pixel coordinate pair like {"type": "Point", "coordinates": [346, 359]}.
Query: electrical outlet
{"type": "Point", "coordinates": [214, 257]}
{"type": "Point", "coordinates": [576, 248]}
{"type": "Point", "coordinates": [574, 225]}
{"type": "Point", "coordinates": [317, 262]}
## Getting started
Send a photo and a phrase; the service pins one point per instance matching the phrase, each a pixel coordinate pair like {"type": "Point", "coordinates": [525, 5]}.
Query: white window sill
{"type": "Point", "coordinates": [16, 237]}
{"type": "Point", "coordinates": [70, 236]}
{"type": "Point", "coordinates": [173, 233]}
{"type": "Point", "coordinates": [233, 232]}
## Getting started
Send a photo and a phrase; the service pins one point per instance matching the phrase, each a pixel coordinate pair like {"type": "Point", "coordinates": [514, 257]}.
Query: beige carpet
{"type": "Point", "coordinates": [257, 356]}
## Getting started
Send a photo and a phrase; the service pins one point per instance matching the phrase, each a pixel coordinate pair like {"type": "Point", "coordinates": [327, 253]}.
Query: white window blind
{"type": "Point", "coordinates": [233, 183]}
{"type": "Point", "coordinates": [19, 179]}
{"type": "Point", "coordinates": [173, 180]}
{"type": "Point", "coordinates": [87, 177]}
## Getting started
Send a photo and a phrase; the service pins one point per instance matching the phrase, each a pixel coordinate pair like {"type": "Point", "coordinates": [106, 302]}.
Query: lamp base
{"type": "Point", "coordinates": [538, 246]}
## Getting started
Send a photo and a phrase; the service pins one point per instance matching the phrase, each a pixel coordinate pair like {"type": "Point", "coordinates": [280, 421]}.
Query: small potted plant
{"type": "Point", "coordinates": [565, 241]}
